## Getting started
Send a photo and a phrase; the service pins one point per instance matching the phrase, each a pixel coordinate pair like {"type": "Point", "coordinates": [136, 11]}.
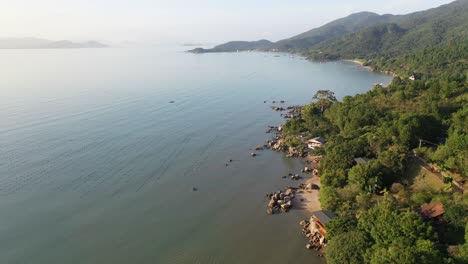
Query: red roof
{"type": "Point", "coordinates": [432, 210]}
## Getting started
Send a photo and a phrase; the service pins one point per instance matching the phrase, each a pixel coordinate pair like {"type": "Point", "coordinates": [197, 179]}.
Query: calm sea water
{"type": "Point", "coordinates": [96, 166]}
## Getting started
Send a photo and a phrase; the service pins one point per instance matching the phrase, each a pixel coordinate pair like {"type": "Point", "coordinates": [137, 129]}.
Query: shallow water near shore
{"type": "Point", "coordinates": [97, 166]}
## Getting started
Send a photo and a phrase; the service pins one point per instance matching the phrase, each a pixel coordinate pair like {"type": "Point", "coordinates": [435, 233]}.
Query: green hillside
{"type": "Point", "coordinates": [333, 29]}
{"type": "Point", "coordinates": [429, 61]}
{"type": "Point", "coordinates": [440, 26]}
{"type": "Point", "coordinates": [368, 35]}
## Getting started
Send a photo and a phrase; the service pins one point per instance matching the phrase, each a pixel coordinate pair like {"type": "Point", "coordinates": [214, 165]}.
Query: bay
{"type": "Point", "coordinates": [98, 166]}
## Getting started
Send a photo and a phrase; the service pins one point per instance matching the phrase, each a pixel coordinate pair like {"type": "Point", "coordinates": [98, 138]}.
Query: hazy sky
{"type": "Point", "coordinates": [183, 20]}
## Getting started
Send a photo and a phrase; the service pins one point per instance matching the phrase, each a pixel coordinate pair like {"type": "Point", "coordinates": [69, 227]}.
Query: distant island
{"type": "Point", "coordinates": [37, 43]}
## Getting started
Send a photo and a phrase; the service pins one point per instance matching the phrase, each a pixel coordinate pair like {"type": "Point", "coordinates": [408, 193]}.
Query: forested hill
{"type": "Point", "coordinates": [339, 27]}
{"type": "Point", "coordinates": [303, 41]}
{"type": "Point", "coordinates": [440, 26]}
{"type": "Point", "coordinates": [428, 62]}
{"type": "Point", "coordinates": [368, 35]}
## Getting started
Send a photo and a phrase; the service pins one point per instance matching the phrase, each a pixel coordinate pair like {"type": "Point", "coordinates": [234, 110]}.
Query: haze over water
{"type": "Point", "coordinates": [97, 166]}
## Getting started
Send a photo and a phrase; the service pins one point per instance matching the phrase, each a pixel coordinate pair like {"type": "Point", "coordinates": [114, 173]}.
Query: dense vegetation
{"type": "Point", "coordinates": [377, 205]}
{"type": "Point", "coordinates": [430, 61]}
{"type": "Point", "coordinates": [339, 27]}
{"type": "Point", "coordinates": [304, 41]}
{"type": "Point", "coordinates": [368, 35]}
{"type": "Point", "coordinates": [435, 27]}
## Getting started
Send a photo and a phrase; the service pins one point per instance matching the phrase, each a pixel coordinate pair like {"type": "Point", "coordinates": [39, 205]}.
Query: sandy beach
{"type": "Point", "coordinates": [369, 68]}
{"type": "Point", "coordinates": [361, 64]}
{"type": "Point", "coordinates": [310, 198]}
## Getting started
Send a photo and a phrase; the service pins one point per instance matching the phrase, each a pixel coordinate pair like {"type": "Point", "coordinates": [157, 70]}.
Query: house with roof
{"type": "Point", "coordinates": [361, 160]}
{"type": "Point", "coordinates": [432, 210]}
{"type": "Point", "coordinates": [319, 220]}
{"type": "Point", "coordinates": [317, 142]}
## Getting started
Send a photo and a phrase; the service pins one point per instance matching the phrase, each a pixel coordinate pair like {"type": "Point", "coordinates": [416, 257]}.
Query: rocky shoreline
{"type": "Point", "coordinates": [277, 142]}
{"type": "Point", "coordinates": [306, 195]}
{"type": "Point", "coordinates": [316, 241]}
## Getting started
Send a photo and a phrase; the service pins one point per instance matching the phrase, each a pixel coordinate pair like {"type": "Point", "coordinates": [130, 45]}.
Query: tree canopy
{"type": "Point", "coordinates": [324, 99]}
{"type": "Point", "coordinates": [377, 206]}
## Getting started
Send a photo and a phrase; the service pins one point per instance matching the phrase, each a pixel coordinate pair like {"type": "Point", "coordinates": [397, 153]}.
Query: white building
{"type": "Point", "coordinates": [317, 142]}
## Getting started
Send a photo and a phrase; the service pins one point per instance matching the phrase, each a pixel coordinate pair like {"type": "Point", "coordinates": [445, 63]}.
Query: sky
{"type": "Point", "coordinates": [185, 21]}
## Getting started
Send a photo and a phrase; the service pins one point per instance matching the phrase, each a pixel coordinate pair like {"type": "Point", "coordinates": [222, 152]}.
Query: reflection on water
{"type": "Point", "coordinates": [98, 166]}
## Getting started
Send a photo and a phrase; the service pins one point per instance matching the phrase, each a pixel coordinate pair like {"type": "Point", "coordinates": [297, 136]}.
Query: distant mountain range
{"type": "Point", "coordinates": [36, 43]}
{"type": "Point", "coordinates": [366, 34]}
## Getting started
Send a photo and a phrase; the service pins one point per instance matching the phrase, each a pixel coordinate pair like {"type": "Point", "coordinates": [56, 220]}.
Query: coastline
{"type": "Point", "coordinates": [304, 196]}
{"type": "Point", "coordinates": [303, 56]}
{"type": "Point", "coordinates": [361, 63]}
{"type": "Point", "coordinates": [299, 198]}
{"type": "Point", "coordinates": [227, 207]}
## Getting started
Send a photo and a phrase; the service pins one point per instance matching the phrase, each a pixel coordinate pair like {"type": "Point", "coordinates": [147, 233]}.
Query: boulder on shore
{"type": "Point", "coordinates": [272, 203]}
{"type": "Point", "coordinates": [286, 205]}
{"type": "Point", "coordinates": [281, 201]}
